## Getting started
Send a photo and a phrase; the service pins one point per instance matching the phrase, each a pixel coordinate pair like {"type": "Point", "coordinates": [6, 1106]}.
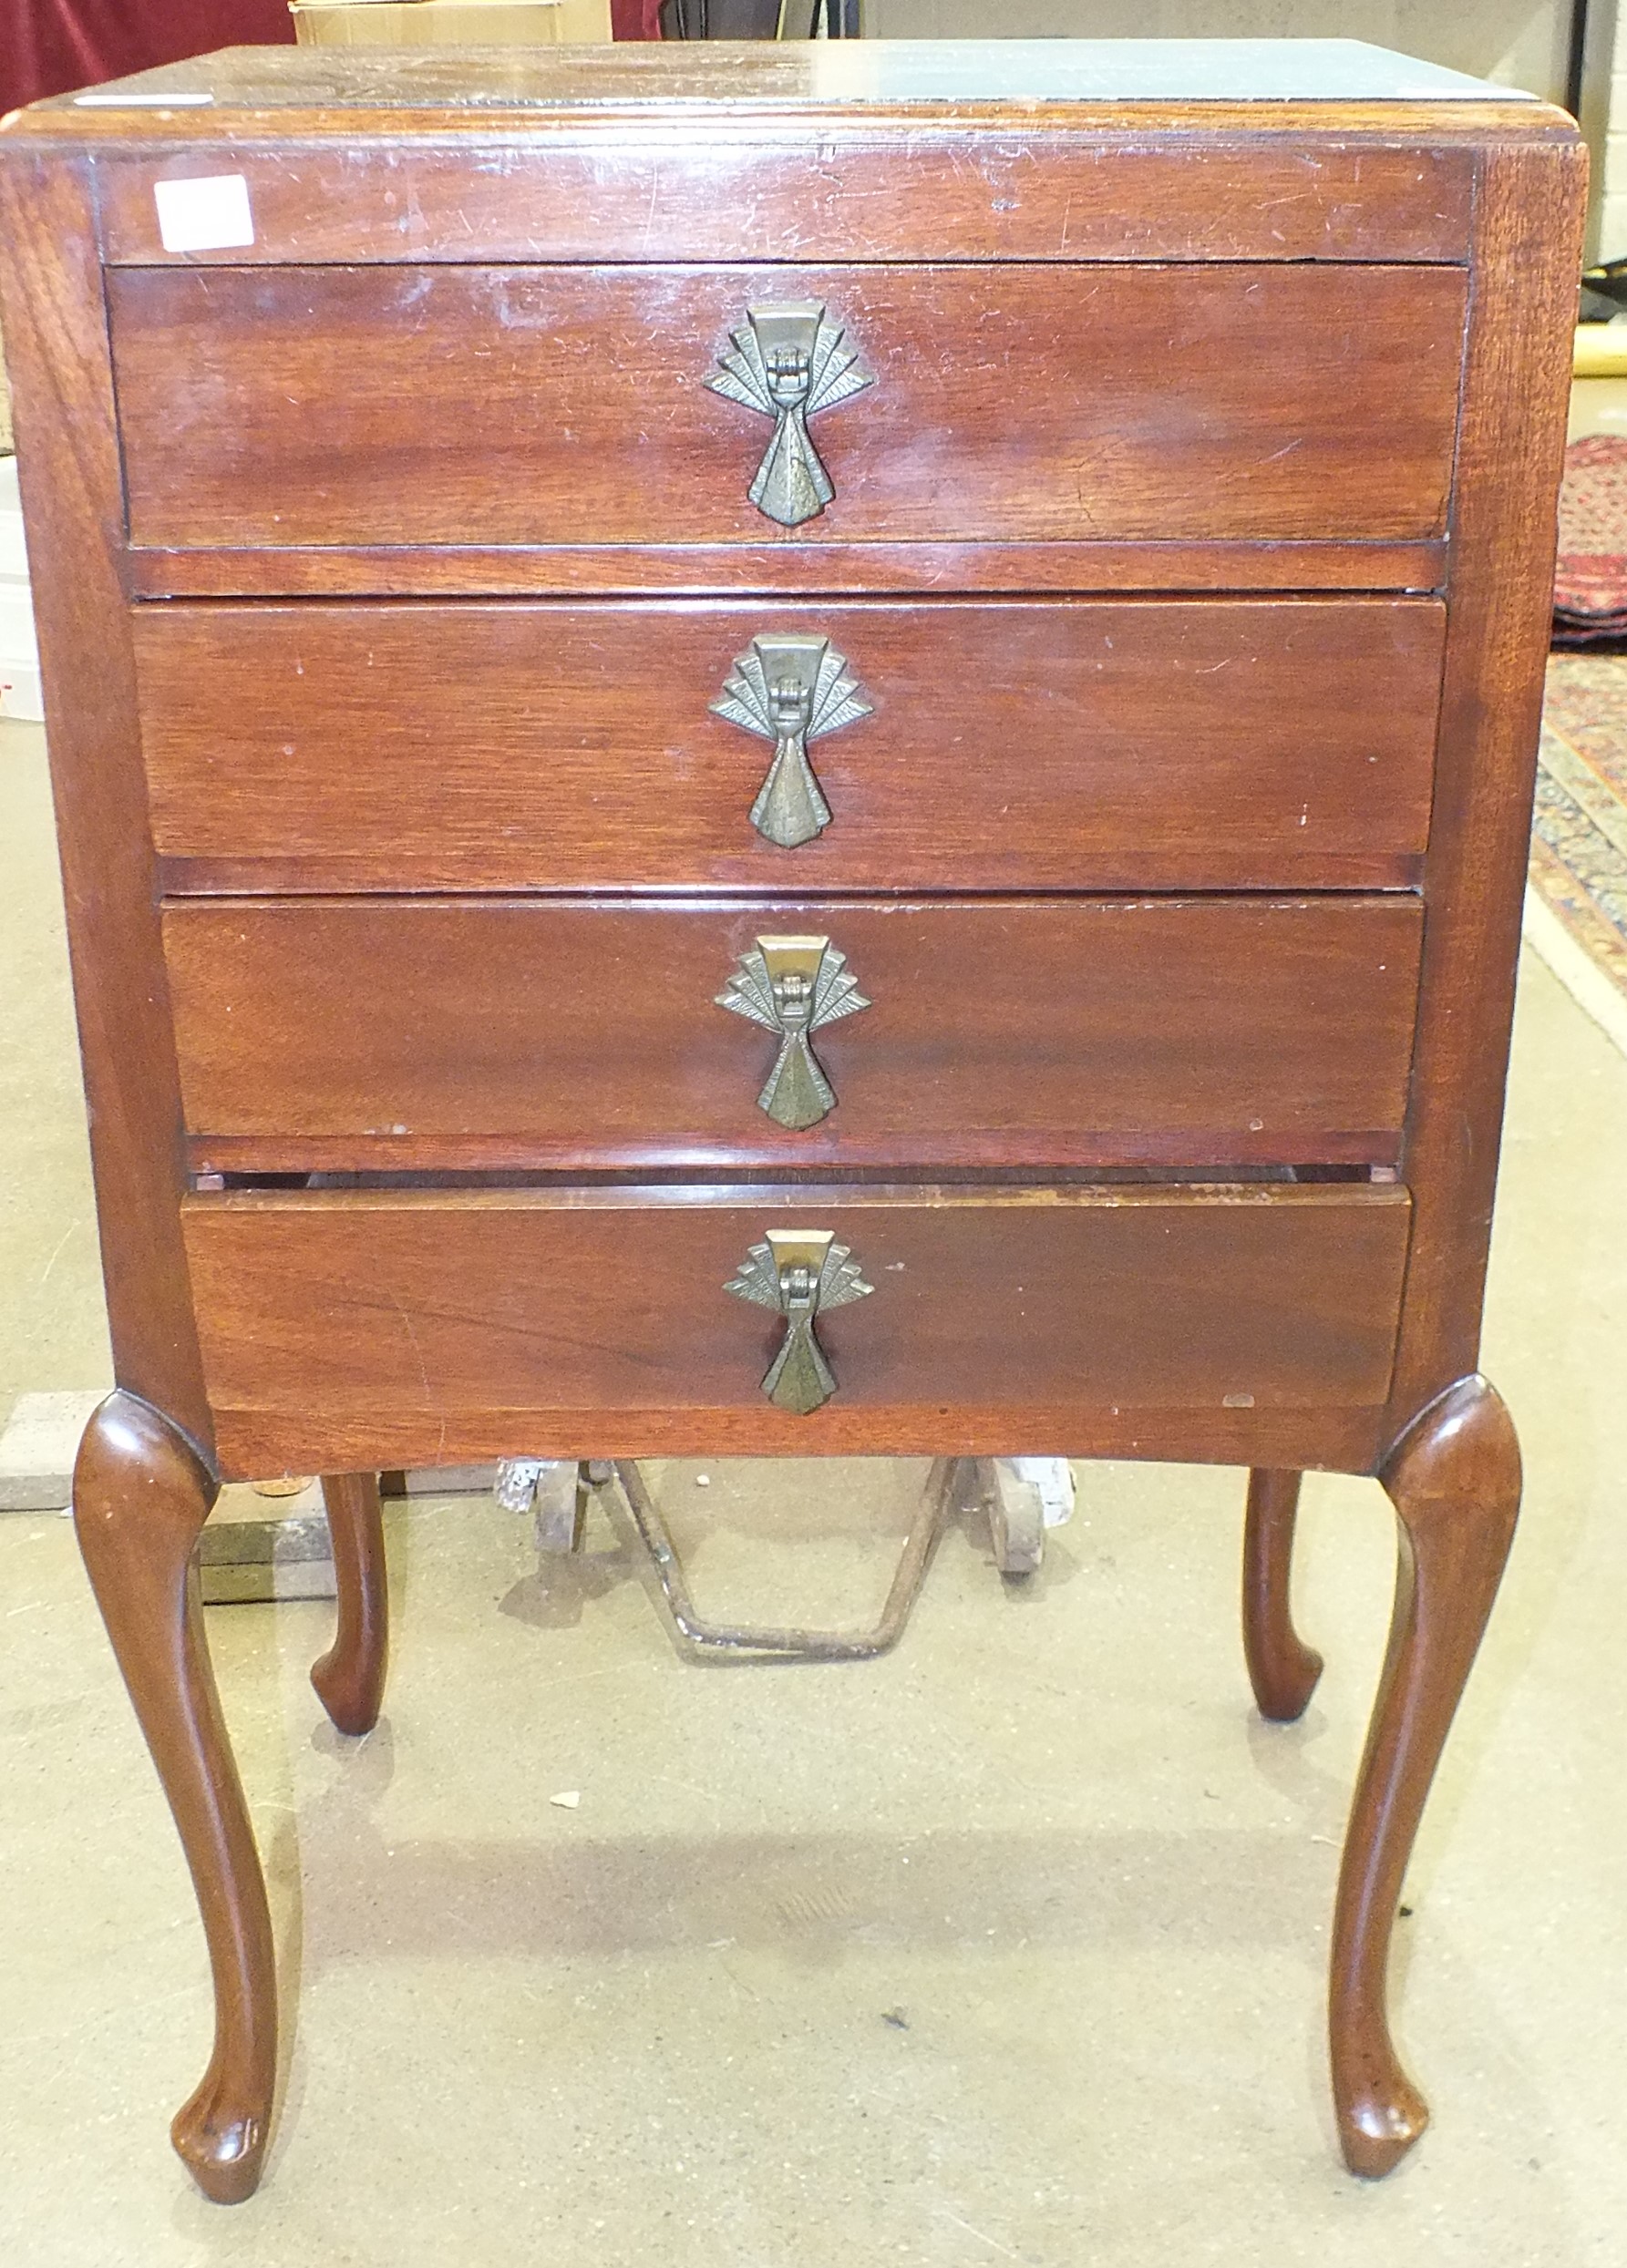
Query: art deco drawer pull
{"type": "Point", "coordinates": [789, 362]}
{"type": "Point", "coordinates": [792, 985]}
{"type": "Point", "coordinates": [799, 1273]}
{"type": "Point", "coordinates": [790, 688]}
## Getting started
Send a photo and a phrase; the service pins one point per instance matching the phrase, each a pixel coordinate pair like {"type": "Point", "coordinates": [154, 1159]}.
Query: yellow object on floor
{"type": "Point", "coordinates": [1600, 349]}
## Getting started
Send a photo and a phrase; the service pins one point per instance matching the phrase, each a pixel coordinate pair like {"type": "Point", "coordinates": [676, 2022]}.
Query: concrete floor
{"type": "Point", "coordinates": [1007, 1949]}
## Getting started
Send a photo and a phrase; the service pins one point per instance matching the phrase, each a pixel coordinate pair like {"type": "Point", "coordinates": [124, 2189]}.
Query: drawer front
{"type": "Point", "coordinates": [447, 405]}
{"type": "Point", "coordinates": [849, 187]}
{"type": "Point", "coordinates": [370, 1033]}
{"type": "Point", "coordinates": [1142, 744]}
{"type": "Point", "coordinates": [433, 1317]}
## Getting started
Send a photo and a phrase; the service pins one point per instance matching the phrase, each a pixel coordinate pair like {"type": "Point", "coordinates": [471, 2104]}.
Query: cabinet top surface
{"type": "Point", "coordinates": [947, 76]}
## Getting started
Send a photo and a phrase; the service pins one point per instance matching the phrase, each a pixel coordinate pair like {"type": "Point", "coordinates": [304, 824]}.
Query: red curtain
{"type": "Point", "coordinates": [47, 46]}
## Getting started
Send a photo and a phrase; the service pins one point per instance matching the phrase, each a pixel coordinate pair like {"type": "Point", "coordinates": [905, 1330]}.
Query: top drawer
{"type": "Point", "coordinates": [436, 405]}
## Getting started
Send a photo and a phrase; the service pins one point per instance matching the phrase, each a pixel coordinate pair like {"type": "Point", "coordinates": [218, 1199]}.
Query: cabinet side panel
{"type": "Point", "coordinates": [56, 343]}
{"type": "Point", "coordinates": [1510, 451]}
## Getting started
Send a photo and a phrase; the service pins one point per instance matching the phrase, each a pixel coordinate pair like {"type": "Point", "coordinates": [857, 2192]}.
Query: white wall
{"type": "Point", "coordinates": [1612, 204]}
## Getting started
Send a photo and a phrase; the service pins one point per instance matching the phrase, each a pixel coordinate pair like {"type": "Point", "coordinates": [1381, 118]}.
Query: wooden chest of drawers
{"type": "Point", "coordinates": [871, 703]}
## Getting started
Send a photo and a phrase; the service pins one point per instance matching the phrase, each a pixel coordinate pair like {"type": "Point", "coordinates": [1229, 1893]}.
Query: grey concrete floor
{"type": "Point", "coordinates": [1009, 1947]}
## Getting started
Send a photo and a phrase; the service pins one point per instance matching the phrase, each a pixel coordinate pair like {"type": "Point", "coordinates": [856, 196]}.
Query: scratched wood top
{"type": "Point", "coordinates": [1291, 84]}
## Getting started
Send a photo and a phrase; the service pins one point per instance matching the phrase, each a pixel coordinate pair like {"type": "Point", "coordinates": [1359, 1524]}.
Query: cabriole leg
{"type": "Point", "coordinates": [1283, 1669]}
{"type": "Point", "coordinates": [349, 1677]}
{"type": "Point", "coordinates": [1453, 1478]}
{"type": "Point", "coordinates": [141, 1494]}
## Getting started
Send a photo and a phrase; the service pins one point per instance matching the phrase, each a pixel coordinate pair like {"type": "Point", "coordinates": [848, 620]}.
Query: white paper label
{"type": "Point", "coordinates": [140, 102]}
{"type": "Point", "coordinates": [211, 215]}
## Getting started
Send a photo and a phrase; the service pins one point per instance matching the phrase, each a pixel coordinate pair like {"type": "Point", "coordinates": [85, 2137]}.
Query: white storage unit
{"type": "Point", "coordinates": [19, 656]}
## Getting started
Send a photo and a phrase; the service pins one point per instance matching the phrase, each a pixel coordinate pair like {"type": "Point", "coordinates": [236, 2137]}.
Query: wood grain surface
{"type": "Point", "coordinates": [1516, 387]}
{"type": "Point", "coordinates": [142, 1496]}
{"type": "Point", "coordinates": [1142, 744]}
{"type": "Point", "coordinates": [446, 1033]}
{"type": "Point", "coordinates": [274, 90]}
{"type": "Point", "coordinates": [57, 354]}
{"type": "Point", "coordinates": [436, 405]}
{"type": "Point", "coordinates": [349, 1677]}
{"type": "Point", "coordinates": [1283, 1669]}
{"type": "Point", "coordinates": [1455, 1480]}
{"type": "Point", "coordinates": [668, 571]}
{"type": "Point", "coordinates": [841, 192]}
{"type": "Point", "coordinates": [602, 1316]}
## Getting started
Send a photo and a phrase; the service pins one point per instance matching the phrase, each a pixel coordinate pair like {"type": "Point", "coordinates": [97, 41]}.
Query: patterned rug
{"type": "Point", "coordinates": [1589, 591]}
{"type": "Point", "coordinates": [1578, 845]}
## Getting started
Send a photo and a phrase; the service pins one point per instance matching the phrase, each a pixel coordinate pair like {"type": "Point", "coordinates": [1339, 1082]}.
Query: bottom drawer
{"type": "Point", "coordinates": [357, 1328]}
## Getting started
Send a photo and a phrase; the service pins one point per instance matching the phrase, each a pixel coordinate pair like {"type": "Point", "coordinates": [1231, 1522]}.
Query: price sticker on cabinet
{"type": "Point", "coordinates": [207, 214]}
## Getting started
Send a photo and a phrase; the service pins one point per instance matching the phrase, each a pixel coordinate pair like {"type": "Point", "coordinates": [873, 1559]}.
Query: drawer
{"type": "Point", "coordinates": [423, 1324]}
{"type": "Point", "coordinates": [1144, 744]}
{"type": "Point", "coordinates": [438, 405]}
{"type": "Point", "coordinates": [370, 1033]}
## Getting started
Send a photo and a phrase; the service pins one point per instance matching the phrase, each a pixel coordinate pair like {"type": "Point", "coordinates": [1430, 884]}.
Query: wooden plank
{"type": "Point", "coordinates": [433, 405]}
{"type": "Point", "coordinates": [1223, 744]}
{"type": "Point", "coordinates": [451, 1033]}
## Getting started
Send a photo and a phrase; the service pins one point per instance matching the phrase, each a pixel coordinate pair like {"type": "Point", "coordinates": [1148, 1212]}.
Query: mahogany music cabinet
{"type": "Point", "coordinates": [799, 749]}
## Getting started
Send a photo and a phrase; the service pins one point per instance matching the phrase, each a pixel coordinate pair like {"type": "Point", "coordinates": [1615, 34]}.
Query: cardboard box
{"type": "Point", "coordinates": [452, 22]}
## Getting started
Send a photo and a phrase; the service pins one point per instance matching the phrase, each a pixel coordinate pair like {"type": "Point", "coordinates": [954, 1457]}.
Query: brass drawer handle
{"type": "Point", "coordinates": [789, 362]}
{"type": "Point", "coordinates": [799, 1273]}
{"type": "Point", "coordinates": [792, 985]}
{"type": "Point", "coordinates": [790, 688]}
